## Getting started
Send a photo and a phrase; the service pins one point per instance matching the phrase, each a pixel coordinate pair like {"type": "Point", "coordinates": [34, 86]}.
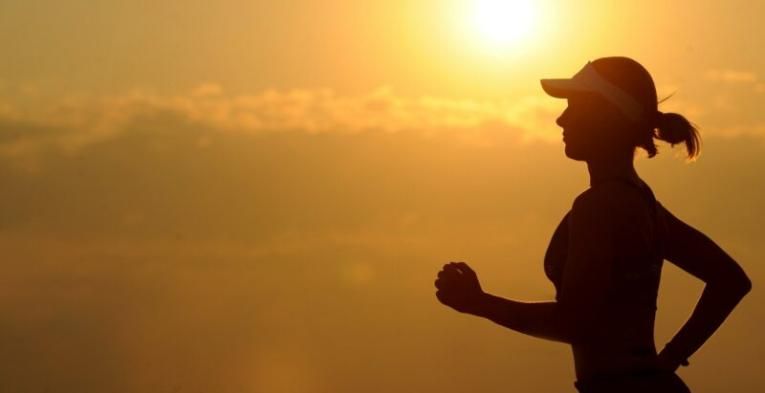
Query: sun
{"type": "Point", "coordinates": [500, 24]}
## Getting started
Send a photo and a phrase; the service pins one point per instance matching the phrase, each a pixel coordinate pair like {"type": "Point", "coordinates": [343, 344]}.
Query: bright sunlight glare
{"type": "Point", "coordinates": [501, 24]}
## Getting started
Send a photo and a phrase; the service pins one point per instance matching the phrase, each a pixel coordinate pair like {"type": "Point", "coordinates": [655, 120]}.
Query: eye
{"type": "Point", "coordinates": [575, 101]}
{"type": "Point", "coordinates": [574, 106]}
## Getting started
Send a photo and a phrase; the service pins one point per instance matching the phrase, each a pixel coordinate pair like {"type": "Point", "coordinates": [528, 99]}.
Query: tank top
{"type": "Point", "coordinates": [635, 280]}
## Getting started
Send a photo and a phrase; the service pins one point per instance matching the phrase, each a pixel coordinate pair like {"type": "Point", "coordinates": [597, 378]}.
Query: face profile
{"type": "Point", "coordinates": [588, 124]}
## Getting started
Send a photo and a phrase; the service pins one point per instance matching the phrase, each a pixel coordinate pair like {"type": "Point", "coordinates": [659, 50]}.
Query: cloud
{"type": "Point", "coordinates": [731, 76]}
{"type": "Point", "coordinates": [81, 120]}
{"type": "Point", "coordinates": [32, 125]}
{"type": "Point", "coordinates": [739, 130]}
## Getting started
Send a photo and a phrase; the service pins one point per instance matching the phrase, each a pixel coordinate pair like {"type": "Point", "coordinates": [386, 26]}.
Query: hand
{"type": "Point", "coordinates": [458, 287]}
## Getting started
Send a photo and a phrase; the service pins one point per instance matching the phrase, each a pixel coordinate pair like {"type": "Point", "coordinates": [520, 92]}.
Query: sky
{"type": "Point", "coordinates": [249, 196]}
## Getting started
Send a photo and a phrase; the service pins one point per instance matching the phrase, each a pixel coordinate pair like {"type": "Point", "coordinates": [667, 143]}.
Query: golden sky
{"type": "Point", "coordinates": [248, 196]}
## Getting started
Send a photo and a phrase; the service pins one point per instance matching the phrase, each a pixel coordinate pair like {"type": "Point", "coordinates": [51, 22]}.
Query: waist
{"type": "Point", "coordinates": [637, 380]}
{"type": "Point", "coordinates": [614, 358]}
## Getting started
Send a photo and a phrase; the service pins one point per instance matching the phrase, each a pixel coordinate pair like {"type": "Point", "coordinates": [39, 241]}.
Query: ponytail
{"type": "Point", "coordinates": [672, 128]}
{"type": "Point", "coordinates": [675, 128]}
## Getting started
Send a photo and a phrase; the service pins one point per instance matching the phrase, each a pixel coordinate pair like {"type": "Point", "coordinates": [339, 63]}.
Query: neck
{"type": "Point", "coordinates": [605, 169]}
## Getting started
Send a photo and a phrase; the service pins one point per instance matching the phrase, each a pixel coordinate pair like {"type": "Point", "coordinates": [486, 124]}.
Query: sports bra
{"type": "Point", "coordinates": [635, 281]}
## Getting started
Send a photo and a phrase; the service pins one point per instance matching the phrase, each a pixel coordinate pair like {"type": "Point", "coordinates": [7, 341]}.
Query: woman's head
{"type": "Point", "coordinates": [613, 108]}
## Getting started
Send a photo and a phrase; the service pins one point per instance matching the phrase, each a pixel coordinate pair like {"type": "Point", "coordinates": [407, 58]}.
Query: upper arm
{"type": "Point", "coordinates": [697, 254]}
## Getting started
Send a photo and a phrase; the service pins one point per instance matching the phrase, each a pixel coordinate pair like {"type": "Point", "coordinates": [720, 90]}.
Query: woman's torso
{"type": "Point", "coordinates": [625, 341]}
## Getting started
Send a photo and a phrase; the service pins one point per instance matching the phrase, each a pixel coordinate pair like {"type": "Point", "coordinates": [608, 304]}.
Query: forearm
{"type": "Point", "coordinates": [537, 319]}
{"type": "Point", "coordinates": [714, 306]}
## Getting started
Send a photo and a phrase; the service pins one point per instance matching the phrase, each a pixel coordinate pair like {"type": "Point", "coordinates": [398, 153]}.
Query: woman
{"type": "Point", "coordinates": [605, 256]}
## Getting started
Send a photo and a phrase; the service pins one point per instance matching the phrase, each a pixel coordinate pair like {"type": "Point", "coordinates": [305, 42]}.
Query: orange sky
{"type": "Point", "coordinates": [255, 197]}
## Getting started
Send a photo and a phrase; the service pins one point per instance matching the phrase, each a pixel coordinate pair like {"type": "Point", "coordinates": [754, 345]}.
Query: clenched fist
{"type": "Point", "coordinates": [458, 287]}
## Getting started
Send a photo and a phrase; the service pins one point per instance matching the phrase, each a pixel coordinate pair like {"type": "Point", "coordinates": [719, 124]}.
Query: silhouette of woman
{"type": "Point", "coordinates": [605, 256]}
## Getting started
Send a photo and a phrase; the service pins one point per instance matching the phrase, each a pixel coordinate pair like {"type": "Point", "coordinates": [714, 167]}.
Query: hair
{"type": "Point", "coordinates": [672, 128]}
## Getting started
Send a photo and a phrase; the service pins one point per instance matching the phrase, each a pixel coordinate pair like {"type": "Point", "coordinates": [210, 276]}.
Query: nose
{"type": "Point", "coordinates": [561, 120]}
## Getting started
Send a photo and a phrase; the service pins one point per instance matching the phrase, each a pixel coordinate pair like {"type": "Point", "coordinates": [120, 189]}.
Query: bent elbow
{"type": "Point", "coordinates": [745, 286]}
{"type": "Point", "coordinates": [741, 284]}
{"type": "Point", "coordinates": [738, 285]}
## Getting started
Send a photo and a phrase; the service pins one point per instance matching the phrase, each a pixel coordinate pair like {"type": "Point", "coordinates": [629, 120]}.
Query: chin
{"type": "Point", "coordinates": [574, 154]}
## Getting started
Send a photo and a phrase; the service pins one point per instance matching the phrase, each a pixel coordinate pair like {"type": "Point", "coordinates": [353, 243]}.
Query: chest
{"type": "Point", "coordinates": [636, 268]}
